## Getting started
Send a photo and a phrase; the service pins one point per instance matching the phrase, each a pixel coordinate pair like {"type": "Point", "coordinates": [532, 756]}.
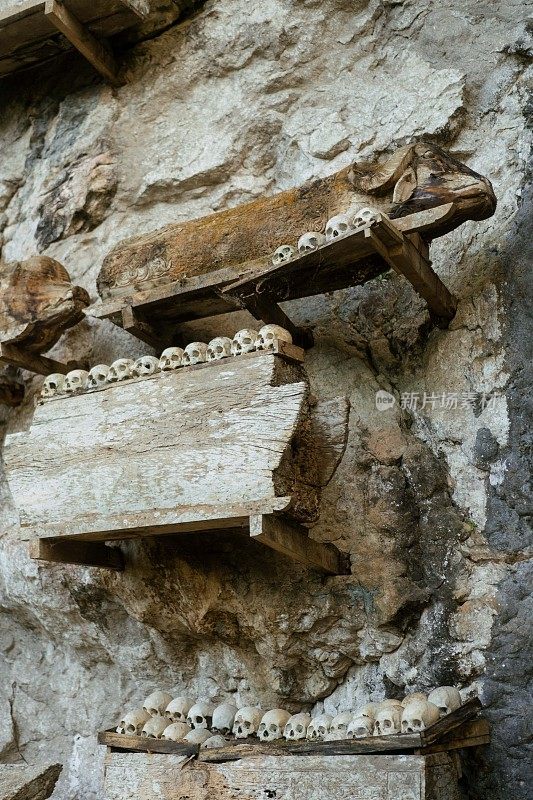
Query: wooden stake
{"type": "Point", "coordinates": [94, 50]}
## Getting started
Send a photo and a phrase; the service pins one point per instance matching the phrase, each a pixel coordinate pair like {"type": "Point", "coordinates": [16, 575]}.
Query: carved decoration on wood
{"type": "Point", "coordinates": [416, 178]}
{"type": "Point", "coordinates": [37, 303]}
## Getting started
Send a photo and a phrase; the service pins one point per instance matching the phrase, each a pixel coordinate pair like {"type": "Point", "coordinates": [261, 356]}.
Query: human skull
{"type": "Point", "coordinates": [200, 714]}
{"type": "Point", "coordinates": [245, 341]}
{"type": "Point", "coordinates": [337, 227]}
{"type": "Point", "coordinates": [154, 728]}
{"type": "Point", "coordinates": [369, 710]}
{"type": "Point", "coordinates": [310, 241]}
{"type": "Point", "coordinates": [419, 715]}
{"type": "Point", "coordinates": [296, 727]}
{"type": "Point", "coordinates": [176, 731]}
{"type": "Point", "coordinates": [319, 727]}
{"type": "Point", "coordinates": [388, 703]}
{"type": "Point", "coordinates": [76, 381]}
{"type": "Point", "coordinates": [270, 335]}
{"type": "Point", "coordinates": [120, 370]}
{"type": "Point", "coordinates": [365, 217]}
{"type": "Point", "coordinates": [53, 385]}
{"type": "Point", "coordinates": [446, 698]}
{"type": "Point", "coordinates": [223, 718]}
{"type": "Point", "coordinates": [198, 736]}
{"type": "Point", "coordinates": [273, 724]}
{"type": "Point", "coordinates": [388, 721]}
{"type": "Point", "coordinates": [413, 697]}
{"type": "Point", "coordinates": [171, 358]}
{"type": "Point", "coordinates": [156, 703]}
{"type": "Point", "coordinates": [195, 353]}
{"type": "Point", "coordinates": [360, 727]}
{"type": "Point", "coordinates": [146, 365]}
{"type": "Point", "coordinates": [133, 722]}
{"type": "Point", "coordinates": [213, 742]}
{"type": "Point", "coordinates": [247, 721]}
{"type": "Point", "coordinates": [220, 347]}
{"type": "Point", "coordinates": [97, 376]}
{"type": "Point", "coordinates": [177, 709]}
{"type": "Point", "coordinates": [283, 254]}
{"type": "Point", "coordinates": [339, 725]}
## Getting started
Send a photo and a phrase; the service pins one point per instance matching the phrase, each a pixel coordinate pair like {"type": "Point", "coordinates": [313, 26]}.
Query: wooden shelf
{"type": "Point", "coordinates": [457, 730]}
{"type": "Point", "coordinates": [154, 315]}
{"type": "Point", "coordinates": [30, 31]}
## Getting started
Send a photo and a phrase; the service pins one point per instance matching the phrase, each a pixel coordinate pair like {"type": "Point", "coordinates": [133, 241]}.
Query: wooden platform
{"type": "Point", "coordinates": [154, 315]}
{"type": "Point", "coordinates": [457, 730]}
{"type": "Point", "coordinates": [33, 31]}
{"type": "Point", "coordinates": [230, 445]}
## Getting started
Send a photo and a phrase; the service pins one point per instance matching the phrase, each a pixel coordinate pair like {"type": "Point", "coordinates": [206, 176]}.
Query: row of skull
{"type": "Point", "coordinates": [201, 722]}
{"type": "Point", "coordinates": [244, 341]}
{"type": "Point", "coordinates": [336, 228]}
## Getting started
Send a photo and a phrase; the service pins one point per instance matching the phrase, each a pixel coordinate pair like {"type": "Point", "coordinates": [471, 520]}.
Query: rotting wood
{"type": "Point", "coordinates": [88, 554]}
{"type": "Point", "coordinates": [96, 51]}
{"type": "Point", "coordinates": [27, 35]}
{"type": "Point", "coordinates": [244, 237]}
{"type": "Point", "coordinates": [37, 304]}
{"type": "Point", "coordinates": [195, 450]}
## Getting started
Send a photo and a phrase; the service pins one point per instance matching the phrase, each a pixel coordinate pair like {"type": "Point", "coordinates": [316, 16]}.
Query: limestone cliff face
{"type": "Point", "coordinates": [239, 100]}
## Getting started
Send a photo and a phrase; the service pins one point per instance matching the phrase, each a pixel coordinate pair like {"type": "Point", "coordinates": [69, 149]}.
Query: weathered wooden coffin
{"type": "Point", "coordinates": [201, 448]}
{"type": "Point", "coordinates": [242, 239]}
{"type": "Point", "coordinates": [389, 777]}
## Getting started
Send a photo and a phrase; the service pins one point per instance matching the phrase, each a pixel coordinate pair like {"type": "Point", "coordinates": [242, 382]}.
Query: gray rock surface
{"type": "Point", "coordinates": [430, 502]}
{"type": "Point", "coordinates": [28, 782]}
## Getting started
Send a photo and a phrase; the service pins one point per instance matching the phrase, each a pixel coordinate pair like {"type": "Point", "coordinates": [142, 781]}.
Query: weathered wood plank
{"type": "Point", "coordinates": [139, 744]}
{"type": "Point", "coordinates": [473, 733]}
{"type": "Point", "coordinates": [96, 51]}
{"type": "Point", "coordinates": [354, 777]}
{"type": "Point", "coordinates": [190, 446]}
{"type": "Point", "coordinates": [25, 782]}
{"type": "Point", "coordinates": [467, 711]}
{"type": "Point", "coordinates": [88, 554]}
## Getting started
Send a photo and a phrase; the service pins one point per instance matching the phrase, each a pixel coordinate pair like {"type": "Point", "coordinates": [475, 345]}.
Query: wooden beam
{"type": "Point", "coordinates": [88, 554]}
{"type": "Point", "coordinates": [138, 744]}
{"type": "Point", "coordinates": [292, 540]}
{"type": "Point", "coordinates": [133, 323]}
{"type": "Point", "coordinates": [96, 51]}
{"type": "Point", "coordinates": [33, 362]}
{"type": "Point", "coordinates": [266, 309]}
{"type": "Point", "coordinates": [410, 259]}
{"type": "Point", "coordinates": [472, 733]}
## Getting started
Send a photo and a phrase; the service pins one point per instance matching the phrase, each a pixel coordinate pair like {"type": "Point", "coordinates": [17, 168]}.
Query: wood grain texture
{"type": "Point", "coordinates": [177, 448]}
{"type": "Point", "coordinates": [37, 303]}
{"type": "Point", "coordinates": [244, 237]}
{"type": "Point", "coordinates": [355, 777]}
{"type": "Point", "coordinates": [28, 37]}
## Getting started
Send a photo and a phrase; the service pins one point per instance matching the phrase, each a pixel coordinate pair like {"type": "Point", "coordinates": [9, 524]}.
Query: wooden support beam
{"type": "Point", "coordinates": [292, 540]}
{"type": "Point", "coordinates": [89, 554]}
{"type": "Point", "coordinates": [133, 322]}
{"type": "Point", "coordinates": [96, 51]}
{"type": "Point", "coordinates": [266, 309]}
{"type": "Point", "coordinates": [33, 362]}
{"type": "Point", "coordinates": [410, 259]}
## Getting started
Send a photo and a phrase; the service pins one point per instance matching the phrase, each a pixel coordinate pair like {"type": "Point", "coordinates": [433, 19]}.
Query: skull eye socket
{"type": "Point", "coordinates": [386, 723]}
{"type": "Point", "coordinates": [443, 709]}
{"type": "Point", "coordinates": [299, 728]}
{"type": "Point", "coordinates": [219, 349]}
{"type": "Point", "coordinates": [417, 723]}
{"type": "Point", "coordinates": [247, 725]}
{"type": "Point", "coordinates": [198, 720]}
{"type": "Point", "coordinates": [273, 728]}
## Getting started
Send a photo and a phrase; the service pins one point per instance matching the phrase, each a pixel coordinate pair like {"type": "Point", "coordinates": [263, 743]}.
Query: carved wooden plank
{"type": "Point", "coordinates": [89, 554]}
{"type": "Point", "coordinates": [355, 777]}
{"type": "Point", "coordinates": [37, 303]}
{"type": "Point", "coordinates": [195, 447]}
{"type": "Point", "coordinates": [96, 51]}
{"type": "Point", "coordinates": [245, 237]}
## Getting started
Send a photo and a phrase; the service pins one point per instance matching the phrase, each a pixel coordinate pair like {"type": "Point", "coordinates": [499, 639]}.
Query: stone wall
{"type": "Point", "coordinates": [238, 100]}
